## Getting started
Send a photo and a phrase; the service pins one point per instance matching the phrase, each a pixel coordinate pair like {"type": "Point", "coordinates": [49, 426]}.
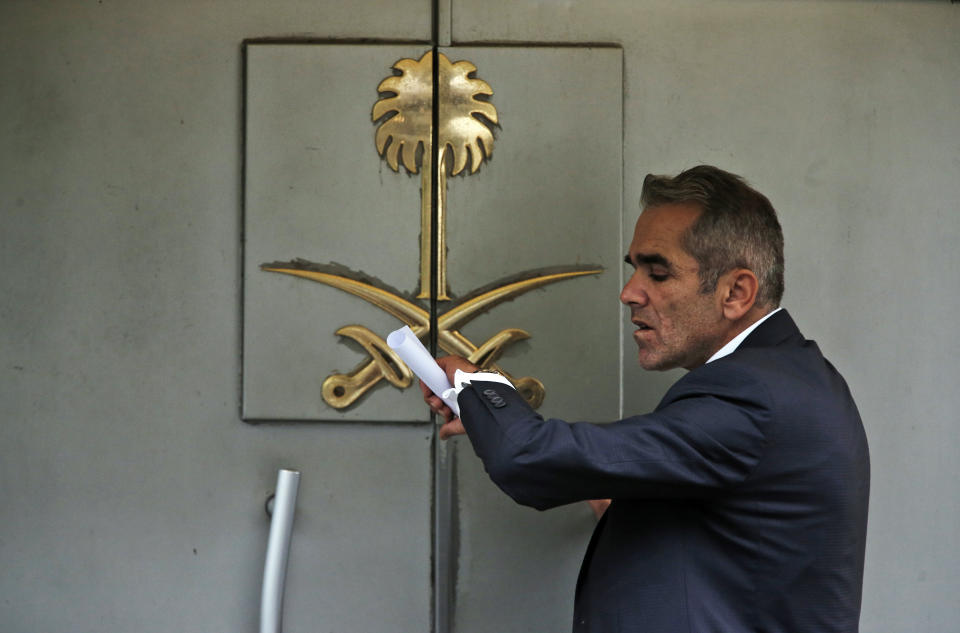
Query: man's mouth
{"type": "Point", "coordinates": [641, 326]}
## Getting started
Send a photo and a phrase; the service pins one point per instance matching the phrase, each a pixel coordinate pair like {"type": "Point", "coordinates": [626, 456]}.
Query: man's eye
{"type": "Point", "coordinates": [658, 277]}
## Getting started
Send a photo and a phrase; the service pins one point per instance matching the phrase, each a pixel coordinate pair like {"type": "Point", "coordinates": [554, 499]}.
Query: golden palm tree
{"type": "Point", "coordinates": [404, 136]}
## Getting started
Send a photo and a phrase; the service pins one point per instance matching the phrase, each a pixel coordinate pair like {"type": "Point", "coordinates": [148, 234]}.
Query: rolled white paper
{"type": "Point", "coordinates": [411, 351]}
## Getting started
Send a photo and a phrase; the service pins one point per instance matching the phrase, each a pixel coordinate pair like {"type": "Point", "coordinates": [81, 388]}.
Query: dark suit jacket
{"type": "Point", "coordinates": [739, 504]}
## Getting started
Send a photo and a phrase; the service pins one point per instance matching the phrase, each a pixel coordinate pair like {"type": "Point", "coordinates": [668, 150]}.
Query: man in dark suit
{"type": "Point", "coordinates": [740, 503]}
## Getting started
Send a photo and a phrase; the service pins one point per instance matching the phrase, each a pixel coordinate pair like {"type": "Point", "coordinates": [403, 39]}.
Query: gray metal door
{"type": "Point", "coordinates": [344, 230]}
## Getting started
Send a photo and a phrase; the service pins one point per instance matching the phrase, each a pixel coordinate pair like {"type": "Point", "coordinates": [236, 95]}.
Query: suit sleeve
{"type": "Point", "coordinates": [707, 435]}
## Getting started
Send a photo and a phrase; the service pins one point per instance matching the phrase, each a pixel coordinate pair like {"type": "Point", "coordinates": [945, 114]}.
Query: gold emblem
{"type": "Point", "coordinates": [404, 136]}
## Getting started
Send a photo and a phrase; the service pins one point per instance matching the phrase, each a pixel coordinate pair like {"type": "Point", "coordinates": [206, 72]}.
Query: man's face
{"type": "Point", "coordinates": [677, 326]}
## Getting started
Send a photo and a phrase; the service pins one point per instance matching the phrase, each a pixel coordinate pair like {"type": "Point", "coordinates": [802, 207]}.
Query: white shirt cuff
{"type": "Point", "coordinates": [461, 379]}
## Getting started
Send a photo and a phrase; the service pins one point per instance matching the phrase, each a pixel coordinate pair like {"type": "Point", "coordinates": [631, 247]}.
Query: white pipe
{"type": "Point", "coordinates": [278, 550]}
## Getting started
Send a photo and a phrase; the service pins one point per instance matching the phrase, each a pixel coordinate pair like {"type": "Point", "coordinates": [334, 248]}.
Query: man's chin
{"type": "Point", "coordinates": [652, 363]}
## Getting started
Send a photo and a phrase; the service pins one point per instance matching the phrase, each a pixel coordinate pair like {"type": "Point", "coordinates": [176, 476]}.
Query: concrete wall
{"type": "Point", "coordinates": [126, 477]}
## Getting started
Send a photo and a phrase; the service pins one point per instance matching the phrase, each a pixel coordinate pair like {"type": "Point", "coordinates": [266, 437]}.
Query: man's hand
{"type": "Point", "coordinates": [450, 365]}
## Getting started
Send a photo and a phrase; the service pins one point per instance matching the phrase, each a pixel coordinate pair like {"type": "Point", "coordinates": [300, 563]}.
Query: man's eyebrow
{"type": "Point", "coordinates": [651, 259]}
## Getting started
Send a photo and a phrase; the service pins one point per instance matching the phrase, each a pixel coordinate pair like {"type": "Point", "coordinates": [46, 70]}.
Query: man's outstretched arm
{"type": "Point", "coordinates": [709, 435]}
{"type": "Point", "coordinates": [454, 426]}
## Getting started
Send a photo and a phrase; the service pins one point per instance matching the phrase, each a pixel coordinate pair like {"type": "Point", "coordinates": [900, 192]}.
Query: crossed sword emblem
{"type": "Point", "coordinates": [342, 390]}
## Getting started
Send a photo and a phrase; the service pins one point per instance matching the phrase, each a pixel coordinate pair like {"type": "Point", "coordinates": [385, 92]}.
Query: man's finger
{"type": "Point", "coordinates": [450, 365]}
{"type": "Point", "coordinates": [451, 428]}
{"type": "Point", "coordinates": [425, 389]}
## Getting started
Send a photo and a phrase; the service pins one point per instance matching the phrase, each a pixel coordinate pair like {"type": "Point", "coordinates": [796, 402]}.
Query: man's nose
{"type": "Point", "coordinates": [633, 291]}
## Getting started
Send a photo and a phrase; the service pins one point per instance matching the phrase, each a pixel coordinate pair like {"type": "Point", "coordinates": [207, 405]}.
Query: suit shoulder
{"type": "Point", "coordinates": [737, 380]}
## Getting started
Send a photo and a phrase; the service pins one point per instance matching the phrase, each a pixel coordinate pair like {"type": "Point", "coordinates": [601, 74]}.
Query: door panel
{"type": "Point", "coordinates": [361, 551]}
{"type": "Point", "coordinates": [550, 196]}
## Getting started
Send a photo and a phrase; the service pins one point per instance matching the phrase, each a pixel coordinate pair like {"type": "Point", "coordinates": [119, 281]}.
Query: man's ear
{"type": "Point", "coordinates": [739, 293]}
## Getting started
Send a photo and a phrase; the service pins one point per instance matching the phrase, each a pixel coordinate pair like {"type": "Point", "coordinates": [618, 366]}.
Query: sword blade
{"type": "Point", "coordinates": [395, 305]}
{"type": "Point", "coordinates": [462, 313]}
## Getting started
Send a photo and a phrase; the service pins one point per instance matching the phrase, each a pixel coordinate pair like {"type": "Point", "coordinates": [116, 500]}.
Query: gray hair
{"type": "Point", "coordinates": [738, 227]}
